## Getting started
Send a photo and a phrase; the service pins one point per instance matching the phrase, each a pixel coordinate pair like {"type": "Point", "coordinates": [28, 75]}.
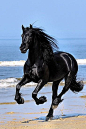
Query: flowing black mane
{"type": "Point", "coordinates": [45, 38]}
{"type": "Point", "coordinates": [47, 43]}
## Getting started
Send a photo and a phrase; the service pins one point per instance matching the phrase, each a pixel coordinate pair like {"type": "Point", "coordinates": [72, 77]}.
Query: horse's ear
{"type": "Point", "coordinates": [30, 26]}
{"type": "Point", "coordinates": [23, 28]}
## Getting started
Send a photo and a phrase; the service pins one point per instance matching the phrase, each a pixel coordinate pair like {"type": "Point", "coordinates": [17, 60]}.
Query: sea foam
{"type": "Point", "coordinates": [12, 63]}
{"type": "Point", "coordinates": [22, 62]}
{"type": "Point", "coordinates": [12, 82]}
{"type": "Point", "coordinates": [9, 82]}
{"type": "Point", "coordinates": [81, 61]}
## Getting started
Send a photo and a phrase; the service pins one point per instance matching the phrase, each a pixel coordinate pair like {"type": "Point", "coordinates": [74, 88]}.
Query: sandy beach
{"type": "Point", "coordinates": [70, 114]}
{"type": "Point", "coordinates": [67, 123]}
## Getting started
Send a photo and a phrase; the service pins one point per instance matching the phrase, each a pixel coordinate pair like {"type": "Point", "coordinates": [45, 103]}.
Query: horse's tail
{"type": "Point", "coordinates": [75, 85]}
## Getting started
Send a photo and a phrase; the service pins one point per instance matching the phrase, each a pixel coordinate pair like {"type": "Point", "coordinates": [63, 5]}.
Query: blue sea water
{"type": "Point", "coordinates": [76, 46]}
{"type": "Point", "coordinates": [9, 51]}
{"type": "Point", "coordinates": [9, 48]}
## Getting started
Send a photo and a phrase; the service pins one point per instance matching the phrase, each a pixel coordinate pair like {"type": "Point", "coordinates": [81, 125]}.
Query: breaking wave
{"type": "Point", "coordinates": [12, 82]}
{"type": "Point", "coordinates": [22, 62]}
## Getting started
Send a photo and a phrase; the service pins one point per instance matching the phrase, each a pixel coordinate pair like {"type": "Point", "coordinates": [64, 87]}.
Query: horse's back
{"type": "Point", "coordinates": [66, 60]}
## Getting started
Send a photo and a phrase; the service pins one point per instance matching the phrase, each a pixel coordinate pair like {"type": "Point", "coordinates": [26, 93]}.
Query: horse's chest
{"type": "Point", "coordinates": [36, 72]}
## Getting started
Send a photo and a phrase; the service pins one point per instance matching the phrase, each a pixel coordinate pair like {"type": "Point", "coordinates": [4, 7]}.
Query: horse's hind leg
{"type": "Point", "coordinates": [68, 80]}
{"type": "Point", "coordinates": [54, 96]}
{"type": "Point", "coordinates": [57, 99]}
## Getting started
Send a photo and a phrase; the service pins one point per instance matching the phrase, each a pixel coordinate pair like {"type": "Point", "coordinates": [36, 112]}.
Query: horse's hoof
{"type": "Point", "coordinates": [20, 100]}
{"type": "Point", "coordinates": [41, 100]}
{"type": "Point", "coordinates": [49, 118]}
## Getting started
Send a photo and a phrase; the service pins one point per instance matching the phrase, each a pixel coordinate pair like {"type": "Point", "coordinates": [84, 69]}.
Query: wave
{"type": "Point", "coordinates": [22, 62]}
{"type": "Point", "coordinates": [12, 63]}
{"type": "Point", "coordinates": [12, 82]}
{"type": "Point", "coordinates": [81, 61]}
{"type": "Point", "coordinates": [9, 82]}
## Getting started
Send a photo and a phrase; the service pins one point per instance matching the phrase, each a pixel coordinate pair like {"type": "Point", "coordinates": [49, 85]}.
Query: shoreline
{"type": "Point", "coordinates": [78, 122]}
{"type": "Point", "coordinates": [70, 114]}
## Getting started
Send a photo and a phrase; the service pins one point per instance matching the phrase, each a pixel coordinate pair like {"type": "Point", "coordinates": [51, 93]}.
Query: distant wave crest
{"type": "Point", "coordinates": [81, 61]}
{"type": "Point", "coordinates": [12, 63]}
{"type": "Point", "coordinates": [22, 62]}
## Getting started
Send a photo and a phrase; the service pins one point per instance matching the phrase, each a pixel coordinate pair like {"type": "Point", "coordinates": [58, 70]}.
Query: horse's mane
{"type": "Point", "coordinates": [47, 43]}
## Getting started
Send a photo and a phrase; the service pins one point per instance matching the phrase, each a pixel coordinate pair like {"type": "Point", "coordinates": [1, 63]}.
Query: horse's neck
{"type": "Point", "coordinates": [34, 54]}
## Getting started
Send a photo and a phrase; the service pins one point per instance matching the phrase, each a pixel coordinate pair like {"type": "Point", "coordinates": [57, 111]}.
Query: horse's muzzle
{"type": "Point", "coordinates": [23, 49]}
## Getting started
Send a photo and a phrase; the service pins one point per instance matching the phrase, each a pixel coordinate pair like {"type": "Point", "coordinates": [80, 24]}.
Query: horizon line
{"type": "Point", "coordinates": [56, 38]}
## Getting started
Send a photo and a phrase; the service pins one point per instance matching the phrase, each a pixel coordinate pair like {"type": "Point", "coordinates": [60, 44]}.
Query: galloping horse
{"type": "Point", "coordinates": [43, 66]}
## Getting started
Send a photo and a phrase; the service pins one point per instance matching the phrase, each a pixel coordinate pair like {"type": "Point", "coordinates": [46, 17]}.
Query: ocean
{"type": "Point", "coordinates": [12, 60]}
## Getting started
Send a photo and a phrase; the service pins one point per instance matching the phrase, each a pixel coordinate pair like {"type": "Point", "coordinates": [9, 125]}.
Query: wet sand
{"type": "Point", "coordinates": [70, 114]}
{"type": "Point", "coordinates": [68, 123]}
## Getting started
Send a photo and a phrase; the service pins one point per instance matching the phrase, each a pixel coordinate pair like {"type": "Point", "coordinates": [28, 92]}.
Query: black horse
{"type": "Point", "coordinates": [43, 66]}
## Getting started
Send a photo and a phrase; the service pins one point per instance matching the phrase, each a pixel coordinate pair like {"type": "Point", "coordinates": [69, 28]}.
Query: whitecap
{"type": "Point", "coordinates": [81, 61]}
{"type": "Point", "coordinates": [12, 82]}
{"type": "Point", "coordinates": [22, 62]}
{"type": "Point", "coordinates": [9, 82]}
{"type": "Point", "coordinates": [12, 63]}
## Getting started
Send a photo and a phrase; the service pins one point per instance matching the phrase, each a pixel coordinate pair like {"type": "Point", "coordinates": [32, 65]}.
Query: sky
{"type": "Point", "coordinates": [59, 18]}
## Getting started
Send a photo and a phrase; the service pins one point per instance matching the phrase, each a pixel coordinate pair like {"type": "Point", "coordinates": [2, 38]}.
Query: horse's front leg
{"type": "Point", "coordinates": [42, 99]}
{"type": "Point", "coordinates": [23, 81]}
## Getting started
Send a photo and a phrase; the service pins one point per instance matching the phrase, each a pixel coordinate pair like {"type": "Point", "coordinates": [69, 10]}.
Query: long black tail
{"type": "Point", "coordinates": [76, 86]}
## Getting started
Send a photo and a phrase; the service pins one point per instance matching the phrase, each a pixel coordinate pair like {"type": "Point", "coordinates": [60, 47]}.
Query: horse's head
{"type": "Point", "coordinates": [26, 39]}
